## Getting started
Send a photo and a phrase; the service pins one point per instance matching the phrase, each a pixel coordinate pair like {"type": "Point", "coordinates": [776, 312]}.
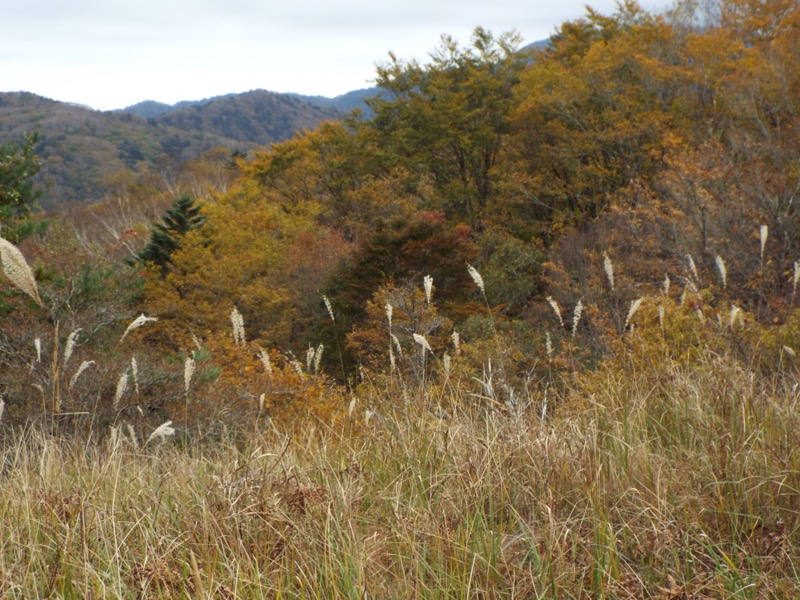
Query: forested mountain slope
{"type": "Point", "coordinates": [83, 149]}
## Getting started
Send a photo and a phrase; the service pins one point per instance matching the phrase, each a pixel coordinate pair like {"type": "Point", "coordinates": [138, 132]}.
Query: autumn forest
{"type": "Point", "coordinates": [586, 253]}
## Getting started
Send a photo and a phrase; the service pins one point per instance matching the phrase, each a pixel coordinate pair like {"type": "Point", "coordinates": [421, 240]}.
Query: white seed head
{"type": "Point", "coordinates": [548, 344]}
{"type": "Point", "coordinates": [427, 282]}
{"type": "Point", "coordinates": [237, 324]}
{"type": "Point", "coordinates": [69, 347]}
{"type": "Point", "coordinates": [329, 308]}
{"type": "Point", "coordinates": [661, 316]}
{"type": "Point", "coordinates": [608, 267]}
{"type": "Point", "coordinates": [476, 277]}
{"type": "Point", "coordinates": [135, 373]}
{"type": "Point", "coordinates": [318, 357]}
{"type": "Point", "coordinates": [309, 358]}
{"type": "Point", "coordinates": [422, 342]}
{"type": "Point", "coordinates": [796, 278]}
{"type": "Point", "coordinates": [736, 315]}
{"type": "Point", "coordinates": [298, 367]}
{"type": "Point", "coordinates": [132, 435]}
{"type": "Point", "coordinates": [188, 372]}
{"type": "Point", "coordinates": [135, 324]}
{"type": "Point", "coordinates": [161, 432]}
{"type": "Point", "coordinates": [122, 386]}
{"type": "Point", "coordinates": [692, 267]}
{"type": "Point", "coordinates": [196, 342]}
{"type": "Point", "coordinates": [576, 317]}
{"type": "Point", "coordinates": [37, 344]}
{"type": "Point", "coordinates": [261, 399]}
{"type": "Point", "coordinates": [635, 305]}
{"type": "Point", "coordinates": [265, 361]}
{"type": "Point", "coordinates": [763, 234]}
{"type": "Point", "coordinates": [84, 365]}
{"type": "Point", "coordinates": [352, 407]}
{"type": "Point", "coordinates": [446, 362]}
{"type": "Point", "coordinates": [556, 309]}
{"type": "Point", "coordinates": [789, 351]}
{"type": "Point", "coordinates": [2, 408]}
{"type": "Point", "coordinates": [389, 312]}
{"type": "Point", "coordinates": [17, 270]}
{"type": "Point", "coordinates": [397, 345]}
{"type": "Point", "coordinates": [665, 286]}
{"type": "Point", "coordinates": [723, 270]}
{"type": "Point", "coordinates": [456, 342]}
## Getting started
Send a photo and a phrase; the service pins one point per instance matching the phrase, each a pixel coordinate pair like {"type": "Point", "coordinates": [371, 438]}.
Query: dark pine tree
{"type": "Point", "coordinates": [182, 217]}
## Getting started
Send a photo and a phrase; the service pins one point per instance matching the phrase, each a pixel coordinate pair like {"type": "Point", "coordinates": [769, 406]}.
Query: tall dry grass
{"type": "Point", "coordinates": [670, 482]}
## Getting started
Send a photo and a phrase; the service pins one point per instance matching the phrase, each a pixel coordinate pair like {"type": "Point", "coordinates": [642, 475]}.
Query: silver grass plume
{"type": "Point", "coordinates": [188, 372]}
{"type": "Point", "coordinates": [237, 324]}
{"type": "Point", "coordinates": [397, 346]}
{"type": "Point", "coordinates": [318, 357]}
{"type": "Point", "coordinates": [692, 267]}
{"type": "Point", "coordinates": [665, 286]}
{"type": "Point", "coordinates": [456, 342]}
{"type": "Point", "coordinates": [608, 267]}
{"type": "Point", "coordinates": [476, 277]}
{"type": "Point", "coordinates": [328, 307]}
{"type": "Point", "coordinates": [548, 344]}
{"type": "Point", "coordinates": [796, 277]}
{"type": "Point", "coordinates": [162, 432]}
{"type": "Point", "coordinates": [135, 373]}
{"type": "Point", "coordinates": [132, 436]}
{"type": "Point", "coordinates": [576, 317]}
{"type": "Point", "coordinates": [763, 234]}
{"type": "Point", "coordinates": [69, 347]}
{"type": "Point", "coordinates": [635, 305]}
{"type": "Point", "coordinates": [298, 367]}
{"type": "Point", "coordinates": [84, 365]}
{"type": "Point", "coordinates": [135, 324]}
{"type": "Point", "coordinates": [427, 282]}
{"type": "Point", "coordinates": [723, 270]}
{"type": "Point", "coordinates": [37, 344]}
{"type": "Point", "coordinates": [2, 408]}
{"type": "Point", "coordinates": [265, 361]}
{"type": "Point", "coordinates": [446, 362]}
{"type": "Point", "coordinates": [310, 358]}
{"type": "Point", "coordinates": [17, 270]}
{"type": "Point", "coordinates": [736, 315]}
{"type": "Point", "coordinates": [422, 342]}
{"type": "Point", "coordinates": [122, 386]}
{"type": "Point", "coordinates": [389, 312]}
{"type": "Point", "coordinates": [556, 309]}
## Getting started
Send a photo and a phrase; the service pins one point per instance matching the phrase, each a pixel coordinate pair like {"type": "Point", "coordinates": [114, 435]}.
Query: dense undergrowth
{"type": "Point", "coordinates": [668, 481]}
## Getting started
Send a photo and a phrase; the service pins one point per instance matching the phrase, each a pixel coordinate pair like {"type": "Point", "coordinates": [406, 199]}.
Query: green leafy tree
{"type": "Point", "coordinates": [18, 166]}
{"type": "Point", "coordinates": [447, 121]}
{"type": "Point", "coordinates": [182, 217]}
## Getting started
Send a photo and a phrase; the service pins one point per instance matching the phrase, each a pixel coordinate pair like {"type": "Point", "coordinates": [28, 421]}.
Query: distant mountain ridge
{"type": "Point", "coordinates": [343, 103]}
{"type": "Point", "coordinates": [83, 149]}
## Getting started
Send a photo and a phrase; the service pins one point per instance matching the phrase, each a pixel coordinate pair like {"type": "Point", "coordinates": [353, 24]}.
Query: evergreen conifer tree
{"type": "Point", "coordinates": [182, 217]}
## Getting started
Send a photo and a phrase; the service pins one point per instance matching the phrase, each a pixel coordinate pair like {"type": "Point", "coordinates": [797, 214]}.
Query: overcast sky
{"type": "Point", "coordinates": [113, 53]}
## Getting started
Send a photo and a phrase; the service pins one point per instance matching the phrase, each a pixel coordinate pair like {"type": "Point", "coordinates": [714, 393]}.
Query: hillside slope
{"type": "Point", "coordinates": [81, 148]}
